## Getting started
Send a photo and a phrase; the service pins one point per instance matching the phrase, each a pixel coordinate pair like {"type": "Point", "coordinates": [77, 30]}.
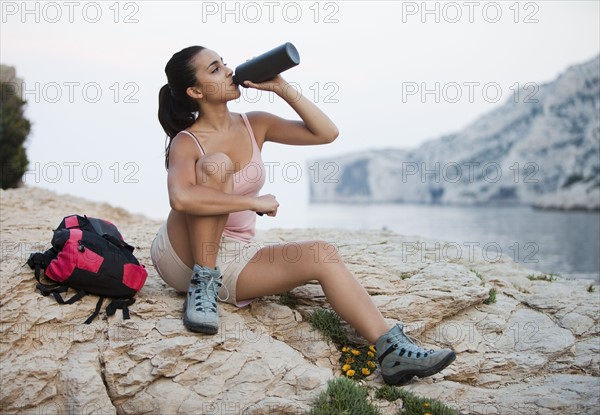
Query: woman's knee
{"type": "Point", "coordinates": [215, 170]}
{"type": "Point", "coordinates": [324, 253]}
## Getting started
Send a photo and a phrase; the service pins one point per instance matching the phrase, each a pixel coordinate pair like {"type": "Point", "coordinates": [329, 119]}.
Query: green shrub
{"type": "Point", "coordinates": [330, 324]}
{"type": "Point", "coordinates": [357, 362]}
{"type": "Point", "coordinates": [389, 393]}
{"type": "Point", "coordinates": [343, 397]}
{"type": "Point", "coordinates": [478, 275]}
{"type": "Point", "coordinates": [492, 297]}
{"type": "Point", "coordinates": [14, 128]}
{"type": "Point", "coordinates": [413, 404]}
{"type": "Point", "coordinates": [287, 300]}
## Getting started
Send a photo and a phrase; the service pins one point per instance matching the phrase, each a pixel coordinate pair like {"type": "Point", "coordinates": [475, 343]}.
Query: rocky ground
{"type": "Point", "coordinates": [536, 350]}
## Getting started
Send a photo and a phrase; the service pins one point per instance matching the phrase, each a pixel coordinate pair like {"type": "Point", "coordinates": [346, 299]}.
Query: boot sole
{"type": "Point", "coordinates": [403, 377]}
{"type": "Point", "coordinates": [198, 327]}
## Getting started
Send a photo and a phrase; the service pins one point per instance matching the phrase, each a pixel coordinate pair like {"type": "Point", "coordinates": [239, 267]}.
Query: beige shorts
{"type": "Point", "coordinates": [233, 256]}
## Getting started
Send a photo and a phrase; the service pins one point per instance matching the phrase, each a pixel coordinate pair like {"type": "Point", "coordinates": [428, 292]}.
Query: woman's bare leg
{"type": "Point", "coordinates": [196, 241]}
{"type": "Point", "coordinates": [194, 238]}
{"type": "Point", "coordinates": [277, 269]}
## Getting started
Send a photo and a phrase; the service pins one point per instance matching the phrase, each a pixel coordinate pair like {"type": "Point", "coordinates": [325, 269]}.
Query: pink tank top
{"type": "Point", "coordinates": [246, 182]}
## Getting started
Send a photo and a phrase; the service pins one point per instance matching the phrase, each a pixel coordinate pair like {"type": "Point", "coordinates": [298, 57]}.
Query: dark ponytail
{"type": "Point", "coordinates": [176, 110]}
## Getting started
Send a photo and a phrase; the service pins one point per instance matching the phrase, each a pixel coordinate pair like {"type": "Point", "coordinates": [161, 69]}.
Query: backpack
{"type": "Point", "coordinates": [90, 256]}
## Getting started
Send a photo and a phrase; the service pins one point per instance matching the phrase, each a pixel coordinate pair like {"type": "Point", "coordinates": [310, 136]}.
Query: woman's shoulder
{"type": "Point", "coordinates": [259, 116]}
{"type": "Point", "coordinates": [260, 121]}
{"type": "Point", "coordinates": [184, 138]}
{"type": "Point", "coordinates": [263, 118]}
{"type": "Point", "coordinates": [185, 141]}
{"type": "Point", "coordinates": [183, 133]}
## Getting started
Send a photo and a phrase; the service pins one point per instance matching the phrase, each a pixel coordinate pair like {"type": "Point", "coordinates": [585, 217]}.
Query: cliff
{"type": "Point", "coordinates": [542, 149]}
{"type": "Point", "coordinates": [535, 350]}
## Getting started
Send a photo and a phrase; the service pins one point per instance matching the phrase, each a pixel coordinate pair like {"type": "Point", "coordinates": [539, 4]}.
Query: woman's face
{"type": "Point", "coordinates": [214, 78]}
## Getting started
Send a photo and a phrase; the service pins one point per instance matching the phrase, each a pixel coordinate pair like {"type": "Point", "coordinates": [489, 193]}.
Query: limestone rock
{"type": "Point", "coordinates": [535, 350]}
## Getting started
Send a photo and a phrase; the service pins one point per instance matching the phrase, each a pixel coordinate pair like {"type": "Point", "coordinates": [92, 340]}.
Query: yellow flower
{"type": "Point", "coordinates": [349, 360]}
{"type": "Point", "coordinates": [355, 352]}
{"type": "Point", "coordinates": [350, 373]}
{"type": "Point", "coordinates": [371, 365]}
{"type": "Point", "coordinates": [345, 349]}
{"type": "Point", "coordinates": [372, 348]}
{"type": "Point", "coordinates": [371, 354]}
{"type": "Point", "coordinates": [426, 405]}
{"type": "Point", "coordinates": [345, 368]}
{"type": "Point", "coordinates": [426, 413]}
{"type": "Point", "coordinates": [365, 371]}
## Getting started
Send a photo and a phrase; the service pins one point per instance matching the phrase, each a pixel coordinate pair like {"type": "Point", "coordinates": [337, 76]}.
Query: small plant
{"type": "Point", "coordinates": [343, 396]}
{"type": "Point", "coordinates": [389, 393]}
{"type": "Point", "coordinates": [330, 324]}
{"type": "Point", "coordinates": [477, 274]}
{"type": "Point", "coordinates": [406, 275]}
{"type": "Point", "coordinates": [543, 277]}
{"type": "Point", "coordinates": [287, 299]}
{"type": "Point", "coordinates": [413, 404]}
{"type": "Point", "coordinates": [358, 362]}
{"type": "Point", "coordinates": [492, 297]}
{"type": "Point", "coordinates": [591, 288]}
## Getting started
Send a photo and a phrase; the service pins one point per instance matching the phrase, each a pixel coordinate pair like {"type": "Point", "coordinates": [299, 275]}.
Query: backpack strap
{"type": "Point", "coordinates": [112, 308]}
{"type": "Point", "coordinates": [55, 291]}
{"type": "Point", "coordinates": [96, 311]}
{"type": "Point", "coordinates": [120, 304]}
{"type": "Point", "coordinates": [46, 290]}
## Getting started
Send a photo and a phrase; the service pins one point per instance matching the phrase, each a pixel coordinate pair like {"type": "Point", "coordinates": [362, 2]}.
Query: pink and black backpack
{"type": "Point", "coordinates": [90, 256]}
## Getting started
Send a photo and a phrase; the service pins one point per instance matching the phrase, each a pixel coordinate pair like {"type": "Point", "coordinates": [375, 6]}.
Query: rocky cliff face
{"type": "Point", "coordinates": [542, 150]}
{"type": "Point", "coordinates": [536, 350]}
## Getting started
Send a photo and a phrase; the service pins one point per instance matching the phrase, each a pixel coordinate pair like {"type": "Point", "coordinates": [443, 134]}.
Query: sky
{"type": "Point", "coordinates": [389, 74]}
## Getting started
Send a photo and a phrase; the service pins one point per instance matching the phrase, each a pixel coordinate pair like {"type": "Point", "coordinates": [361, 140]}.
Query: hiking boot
{"type": "Point", "coordinates": [400, 358]}
{"type": "Point", "coordinates": [200, 306]}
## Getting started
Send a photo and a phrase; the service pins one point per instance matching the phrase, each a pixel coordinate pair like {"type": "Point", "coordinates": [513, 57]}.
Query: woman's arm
{"type": "Point", "coordinates": [186, 195]}
{"type": "Point", "coordinates": [315, 127]}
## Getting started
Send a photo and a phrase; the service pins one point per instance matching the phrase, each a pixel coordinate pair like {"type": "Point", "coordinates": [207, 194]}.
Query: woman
{"type": "Point", "coordinates": [215, 172]}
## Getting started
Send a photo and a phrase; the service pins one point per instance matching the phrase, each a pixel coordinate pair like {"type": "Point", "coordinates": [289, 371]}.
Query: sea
{"type": "Point", "coordinates": [564, 243]}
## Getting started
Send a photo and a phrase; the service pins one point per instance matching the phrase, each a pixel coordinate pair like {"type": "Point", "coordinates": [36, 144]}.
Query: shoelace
{"type": "Point", "coordinates": [406, 343]}
{"type": "Point", "coordinates": [206, 293]}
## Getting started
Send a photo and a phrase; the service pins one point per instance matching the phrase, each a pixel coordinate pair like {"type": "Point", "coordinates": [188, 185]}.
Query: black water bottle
{"type": "Point", "coordinates": [268, 65]}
